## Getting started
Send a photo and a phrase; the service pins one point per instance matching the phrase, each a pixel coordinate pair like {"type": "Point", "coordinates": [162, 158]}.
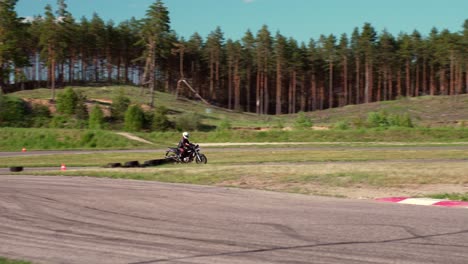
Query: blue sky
{"type": "Point", "coordinates": [300, 19]}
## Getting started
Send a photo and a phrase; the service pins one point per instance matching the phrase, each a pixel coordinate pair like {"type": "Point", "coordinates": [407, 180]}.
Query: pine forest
{"type": "Point", "coordinates": [264, 72]}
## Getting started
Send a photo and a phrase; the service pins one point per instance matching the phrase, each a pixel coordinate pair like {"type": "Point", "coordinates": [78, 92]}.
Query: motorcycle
{"type": "Point", "coordinates": [191, 153]}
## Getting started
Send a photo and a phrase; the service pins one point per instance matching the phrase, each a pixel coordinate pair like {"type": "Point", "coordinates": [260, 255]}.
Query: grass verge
{"type": "Point", "coordinates": [451, 196]}
{"type": "Point", "coordinates": [10, 261]}
{"type": "Point", "coordinates": [250, 156]}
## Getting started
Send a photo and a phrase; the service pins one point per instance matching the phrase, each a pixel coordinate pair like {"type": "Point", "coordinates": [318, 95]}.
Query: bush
{"type": "Point", "coordinates": [377, 119]}
{"type": "Point", "coordinates": [160, 120]}
{"type": "Point", "coordinates": [384, 120]}
{"type": "Point", "coordinates": [81, 111]}
{"type": "Point", "coordinates": [64, 121]}
{"type": "Point", "coordinates": [134, 118]}
{"type": "Point", "coordinates": [302, 121]}
{"type": "Point", "coordinates": [224, 125]}
{"type": "Point", "coordinates": [341, 125]}
{"type": "Point", "coordinates": [14, 112]}
{"type": "Point", "coordinates": [96, 118]}
{"type": "Point", "coordinates": [188, 122]}
{"type": "Point", "coordinates": [119, 106]}
{"type": "Point", "coordinates": [40, 115]}
{"type": "Point", "coordinates": [66, 102]}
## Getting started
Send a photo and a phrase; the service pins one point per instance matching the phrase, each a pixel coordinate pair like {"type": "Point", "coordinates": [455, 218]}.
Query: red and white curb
{"type": "Point", "coordinates": [424, 201]}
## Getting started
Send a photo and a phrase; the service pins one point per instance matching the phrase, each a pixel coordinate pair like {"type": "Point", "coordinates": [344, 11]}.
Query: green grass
{"type": "Point", "coordinates": [247, 155]}
{"type": "Point", "coordinates": [451, 196]}
{"type": "Point", "coordinates": [14, 139]}
{"type": "Point", "coordinates": [10, 261]}
{"type": "Point", "coordinates": [426, 111]}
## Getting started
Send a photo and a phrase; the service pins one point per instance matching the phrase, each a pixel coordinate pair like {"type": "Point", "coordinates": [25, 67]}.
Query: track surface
{"type": "Point", "coordinates": [92, 220]}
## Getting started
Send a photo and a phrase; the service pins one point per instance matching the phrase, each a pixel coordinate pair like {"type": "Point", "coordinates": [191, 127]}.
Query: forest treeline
{"type": "Point", "coordinates": [263, 72]}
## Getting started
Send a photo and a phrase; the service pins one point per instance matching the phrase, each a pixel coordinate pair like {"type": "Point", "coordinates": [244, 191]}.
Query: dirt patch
{"type": "Point", "coordinates": [133, 137]}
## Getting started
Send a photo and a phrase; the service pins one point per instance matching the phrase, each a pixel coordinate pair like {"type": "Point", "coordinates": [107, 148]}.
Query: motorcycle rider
{"type": "Point", "coordinates": [184, 144]}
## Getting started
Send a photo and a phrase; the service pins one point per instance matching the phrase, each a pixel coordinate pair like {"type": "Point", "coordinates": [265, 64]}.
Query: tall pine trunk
{"type": "Point", "coordinates": [358, 89]}
{"type": "Point", "coordinates": [330, 85]}
{"type": "Point", "coordinates": [278, 87]}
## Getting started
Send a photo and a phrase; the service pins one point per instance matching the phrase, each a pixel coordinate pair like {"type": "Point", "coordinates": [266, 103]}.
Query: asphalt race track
{"type": "Point", "coordinates": [93, 220]}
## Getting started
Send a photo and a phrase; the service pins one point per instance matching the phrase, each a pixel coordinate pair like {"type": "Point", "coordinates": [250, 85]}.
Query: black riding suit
{"type": "Point", "coordinates": [184, 143]}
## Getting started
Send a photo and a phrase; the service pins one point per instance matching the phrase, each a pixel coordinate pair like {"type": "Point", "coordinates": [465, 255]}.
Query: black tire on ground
{"type": "Point", "coordinates": [131, 164]}
{"type": "Point", "coordinates": [114, 165]}
{"type": "Point", "coordinates": [154, 162]}
{"type": "Point", "coordinates": [16, 169]}
{"type": "Point", "coordinates": [172, 156]}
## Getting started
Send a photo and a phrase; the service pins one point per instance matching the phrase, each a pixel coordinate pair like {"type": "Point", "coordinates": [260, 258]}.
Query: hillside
{"type": "Point", "coordinates": [432, 111]}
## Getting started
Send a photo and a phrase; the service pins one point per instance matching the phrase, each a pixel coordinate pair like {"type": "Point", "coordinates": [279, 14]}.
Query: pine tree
{"type": "Point", "coordinates": [248, 42]}
{"type": "Point", "coordinates": [12, 36]}
{"type": "Point", "coordinates": [263, 53]}
{"type": "Point", "coordinates": [367, 42]}
{"type": "Point", "coordinates": [156, 39]}
{"type": "Point", "coordinates": [280, 47]}
{"type": "Point", "coordinates": [49, 41]}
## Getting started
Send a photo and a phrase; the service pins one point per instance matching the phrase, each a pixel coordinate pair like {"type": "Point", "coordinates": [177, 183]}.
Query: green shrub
{"type": "Point", "coordinates": [134, 118]}
{"type": "Point", "coordinates": [63, 121]}
{"type": "Point", "coordinates": [119, 106]}
{"type": "Point", "coordinates": [377, 119]}
{"type": "Point", "coordinates": [66, 101]}
{"type": "Point", "coordinates": [384, 120]}
{"type": "Point", "coordinates": [96, 118]}
{"type": "Point", "coordinates": [160, 121]}
{"type": "Point", "coordinates": [14, 112]}
{"type": "Point", "coordinates": [224, 125]}
{"type": "Point", "coordinates": [81, 111]}
{"type": "Point", "coordinates": [188, 122]}
{"type": "Point", "coordinates": [341, 125]}
{"type": "Point", "coordinates": [302, 121]}
{"type": "Point", "coordinates": [41, 116]}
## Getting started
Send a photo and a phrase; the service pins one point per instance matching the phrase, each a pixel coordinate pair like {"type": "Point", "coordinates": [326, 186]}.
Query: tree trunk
{"type": "Point", "coordinates": [109, 65]}
{"type": "Point", "coordinates": [248, 87]}
{"type": "Point", "coordinates": [211, 75]}
{"type": "Point", "coordinates": [390, 84]}
{"type": "Point", "coordinates": [424, 78]}
{"type": "Point", "coordinates": [278, 87]}
{"type": "Point", "coordinates": [257, 92]}
{"type": "Point", "coordinates": [230, 81]}
{"type": "Point", "coordinates": [330, 85]}
{"type": "Point", "coordinates": [267, 99]}
{"type": "Point", "coordinates": [313, 93]}
{"type": "Point", "coordinates": [236, 86]}
{"type": "Point", "coordinates": [398, 83]}
{"type": "Point", "coordinates": [431, 80]}
{"type": "Point", "coordinates": [442, 82]}
{"type": "Point", "coordinates": [367, 80]}
{"type": "Point", "coordinates": [358, 89]}
{"type": "Point", "coordinates": [294, 88]}
{"type": "Point", "coordinates": [452, 73]}
{"type": "Point", "coordinates": [416, 86]}
{"type": "Point", "coordinates": [345, 79]}
{"type": "Point", "coordinates": [152, 72]}
{"type": "Point", "coordinates": [290, 94]}
{"type": "Point", "coordinates": [379, 87]}
{"type": "Point", "coordinates": [303, 95]}
{"type": "Point", "coordinates": [408, 78]}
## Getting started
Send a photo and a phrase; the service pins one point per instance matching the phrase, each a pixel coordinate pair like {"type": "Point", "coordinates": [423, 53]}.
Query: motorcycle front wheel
{"type": "Point", "coordinates": [201, 159]}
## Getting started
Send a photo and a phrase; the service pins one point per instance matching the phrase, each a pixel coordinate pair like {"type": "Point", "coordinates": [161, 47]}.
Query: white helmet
{"type": "Point", "coordinates": [185, 135]}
